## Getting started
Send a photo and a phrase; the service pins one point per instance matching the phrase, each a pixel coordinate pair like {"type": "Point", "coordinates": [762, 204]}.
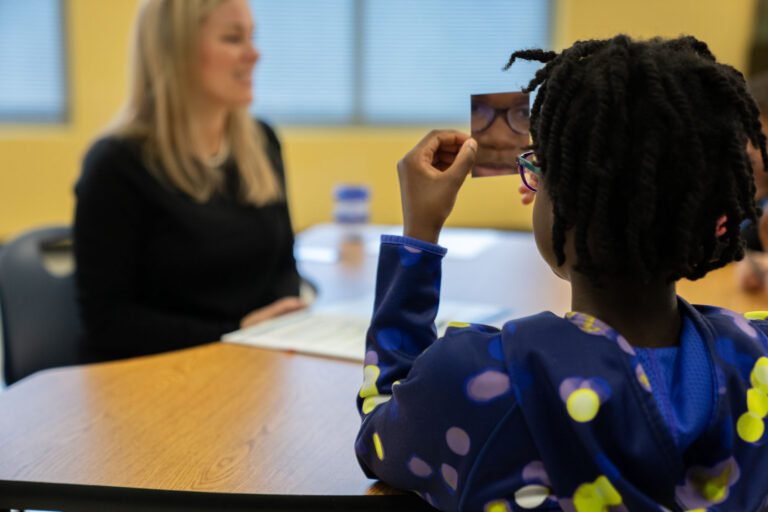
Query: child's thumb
{"type": "Point", "coordinates": [465, 159]}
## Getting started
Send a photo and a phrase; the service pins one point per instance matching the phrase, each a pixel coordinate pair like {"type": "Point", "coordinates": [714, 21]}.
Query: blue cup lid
{"type": "Point", "coordinates": [351, 192]}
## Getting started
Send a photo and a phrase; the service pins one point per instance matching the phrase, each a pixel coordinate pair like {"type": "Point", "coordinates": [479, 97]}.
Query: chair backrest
{"type": "Point", "coordinates": [41, 322]}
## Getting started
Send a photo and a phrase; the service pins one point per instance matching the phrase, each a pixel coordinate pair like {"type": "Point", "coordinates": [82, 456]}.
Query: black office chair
{"type": "Point", "coordinates": [40, 318]}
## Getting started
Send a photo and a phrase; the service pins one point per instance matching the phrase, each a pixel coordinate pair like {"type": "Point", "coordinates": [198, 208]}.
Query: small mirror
{"type": "Point", "coordinates": [500, 123]}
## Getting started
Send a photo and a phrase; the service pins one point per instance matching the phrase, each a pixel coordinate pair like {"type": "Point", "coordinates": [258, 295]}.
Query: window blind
{"type": "Point", "coordinates": [32, 61]}
{"type": "Point", "coordinates": [390, 61]}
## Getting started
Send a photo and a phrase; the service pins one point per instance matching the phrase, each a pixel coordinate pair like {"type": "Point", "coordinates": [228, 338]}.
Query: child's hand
{"type": "Point", "coordinates": [751, 272]}
{"type": "Point", "coordinates": [430, 177]}
{"type": "Point", "coordinates": [526, 194]}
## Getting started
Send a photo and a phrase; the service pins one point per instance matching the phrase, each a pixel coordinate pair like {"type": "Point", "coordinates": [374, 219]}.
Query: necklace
{"type": "Point", "coordinates": [219, 158]}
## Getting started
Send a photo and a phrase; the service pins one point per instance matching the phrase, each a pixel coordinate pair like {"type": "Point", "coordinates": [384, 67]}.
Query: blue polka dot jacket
{"type": "Point", "coordinates": [553, 413]}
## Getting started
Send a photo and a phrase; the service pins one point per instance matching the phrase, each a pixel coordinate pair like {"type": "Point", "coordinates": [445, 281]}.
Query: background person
{"type": "Point", "coordinates": [182, 230]}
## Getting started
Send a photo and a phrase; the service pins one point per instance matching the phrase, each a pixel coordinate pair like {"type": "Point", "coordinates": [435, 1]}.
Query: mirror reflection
{"type": "Point", "coordinates": [500, 123]}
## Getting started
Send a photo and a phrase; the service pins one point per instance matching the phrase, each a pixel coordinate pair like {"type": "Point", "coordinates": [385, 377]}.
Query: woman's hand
{"type": "Point", "coordinates": [430, 177]}
{"type": "Point", "coordinates": [277, 308]}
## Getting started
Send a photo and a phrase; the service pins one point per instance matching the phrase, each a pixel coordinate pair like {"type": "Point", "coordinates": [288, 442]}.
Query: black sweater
{"type": "Point", "coordinates": [158, 271]}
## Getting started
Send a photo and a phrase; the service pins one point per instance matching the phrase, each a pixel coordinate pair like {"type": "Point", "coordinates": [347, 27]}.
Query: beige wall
{"type": "Point", "coordinates": [38, 165]}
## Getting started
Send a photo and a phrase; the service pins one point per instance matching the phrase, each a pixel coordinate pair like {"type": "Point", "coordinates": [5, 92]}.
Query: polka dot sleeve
{"type": "Point", "coordinates": [403, 323]}
{"type": "Point", "coordinates": [428, 406]}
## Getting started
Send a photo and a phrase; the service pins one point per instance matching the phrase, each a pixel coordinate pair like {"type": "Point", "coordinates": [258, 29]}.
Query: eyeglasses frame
{"type": "Point", "coordinates": [496, 112]}
{"type": "Point", "coordinates": [522, 164]}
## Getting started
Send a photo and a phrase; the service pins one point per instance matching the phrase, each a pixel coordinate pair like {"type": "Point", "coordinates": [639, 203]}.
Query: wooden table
{"type": "Point", "coordinates": [236, 427]}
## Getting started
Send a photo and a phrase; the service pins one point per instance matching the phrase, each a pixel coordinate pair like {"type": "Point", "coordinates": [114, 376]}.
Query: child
{"type": "Point", "coordinates": [636, 400]}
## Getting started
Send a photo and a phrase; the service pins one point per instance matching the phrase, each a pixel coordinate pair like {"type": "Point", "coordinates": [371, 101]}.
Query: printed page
{"type": "Point", "coordinates": [338, 330]}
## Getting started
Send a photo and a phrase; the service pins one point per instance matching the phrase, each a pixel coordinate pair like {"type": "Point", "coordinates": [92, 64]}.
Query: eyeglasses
{"type": "Point", "coordinates": [518, 117]}
{"type": "Point", "coordinates": [529, 172]}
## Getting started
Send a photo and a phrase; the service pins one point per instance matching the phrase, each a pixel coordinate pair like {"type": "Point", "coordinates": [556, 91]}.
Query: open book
{"type": "Point", "coordinates": [338, 330]}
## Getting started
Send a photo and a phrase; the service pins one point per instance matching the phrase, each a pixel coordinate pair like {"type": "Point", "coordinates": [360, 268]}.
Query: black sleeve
{"type": "Point", "coordinates": [111, 216]}
{"type": "Point", "coordinates": [289, 282]}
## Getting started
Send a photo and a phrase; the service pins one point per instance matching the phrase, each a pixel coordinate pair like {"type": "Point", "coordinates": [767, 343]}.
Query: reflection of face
{"type": "Point", "coordinates": [226, 55]}
{"type": "Point", "coordinates": [498, 145]}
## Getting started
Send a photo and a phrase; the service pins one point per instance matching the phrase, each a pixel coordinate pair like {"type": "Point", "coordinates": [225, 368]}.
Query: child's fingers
{"type": "Point", "coordinates": [464, 161]}
{"type": "Point", "coordinates": [443, 160]}
{"type": "Point", "coordinates": [440, 140]}
{"type": "Point", "coordinates": [526, 194]}
{"type": "Point", "coordinates": [444, 157]}
{"type": "Point", "coordinates": [437, 138]}
{"type": "Point", "coordinates": [750, 277]}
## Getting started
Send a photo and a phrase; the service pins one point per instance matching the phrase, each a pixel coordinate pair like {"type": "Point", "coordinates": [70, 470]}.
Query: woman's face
{"type": "Point", "coordinates": [227, 55]}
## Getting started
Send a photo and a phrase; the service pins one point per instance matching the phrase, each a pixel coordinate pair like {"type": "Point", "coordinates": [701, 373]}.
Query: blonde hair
{"type": "Point", "coordinates": [157, 108]}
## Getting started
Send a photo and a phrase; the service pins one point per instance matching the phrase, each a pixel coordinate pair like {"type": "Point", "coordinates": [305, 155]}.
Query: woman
{"type": "Point", "coordinates": [182, 230]}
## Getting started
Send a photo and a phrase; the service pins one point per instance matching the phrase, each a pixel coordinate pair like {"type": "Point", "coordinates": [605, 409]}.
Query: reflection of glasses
{"type": "Point", "coordinates": [518, 117]}
{"type": "Point", "coordinates": [529, 172]}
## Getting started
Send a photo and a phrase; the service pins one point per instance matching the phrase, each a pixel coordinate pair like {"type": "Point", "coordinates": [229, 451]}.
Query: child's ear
{"type": "Point", "coordinates": [720, 227]}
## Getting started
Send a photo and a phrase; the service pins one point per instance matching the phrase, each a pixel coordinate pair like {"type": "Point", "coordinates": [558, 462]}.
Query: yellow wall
{"type": "Point", "coordinates": [38, 165]}
{"type": "Point", "coordinates": [727, 26]}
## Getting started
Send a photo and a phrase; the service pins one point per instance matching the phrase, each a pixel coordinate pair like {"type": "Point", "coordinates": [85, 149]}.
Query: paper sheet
{"type": "Point", "coordinates": [339, 330]}
{"type": "Point", "coordinates": [463, 244]}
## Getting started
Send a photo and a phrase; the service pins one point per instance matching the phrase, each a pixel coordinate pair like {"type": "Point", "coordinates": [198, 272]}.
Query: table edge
{"type": "Point", "coordinates": [58, 496]}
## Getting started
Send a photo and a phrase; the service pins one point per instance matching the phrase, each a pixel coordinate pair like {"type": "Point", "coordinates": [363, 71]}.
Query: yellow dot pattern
{"type": "Point", "coordinates": [644, 380]}
{"type": "Point", "coordinates": [458, 324]}
{"type": "Point", "coordinates": [377, 445]}
{"type": "Point", "coordinates": [589, 323]}
{"type": "Point", "coordinates": [756, 315]}
{"type": "Point", "coordinates": [370, 376]}
{"type": "Point", "coordinates": [497, 506]}
{"type": "Point", "coordinates": [757, 402]}
{"type": "Point", "coordinates": [759, 376]}
{"type": "Point", "coordinates": [583, 405]}
{"type": "Point", "coordinates": [596, 496]}
{"type": "Point", "coordinates": [751, 425]}
{"type": "Point", "coordinates": [531, 496]}
{"type": "Point", "coordinates": [714, 489]}
{"type": "Point", "coordinates": [371, 402]}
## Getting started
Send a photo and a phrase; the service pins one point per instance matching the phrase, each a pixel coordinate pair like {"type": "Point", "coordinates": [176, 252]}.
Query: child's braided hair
{"type": "Point", "coordinates": [642, 145]}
